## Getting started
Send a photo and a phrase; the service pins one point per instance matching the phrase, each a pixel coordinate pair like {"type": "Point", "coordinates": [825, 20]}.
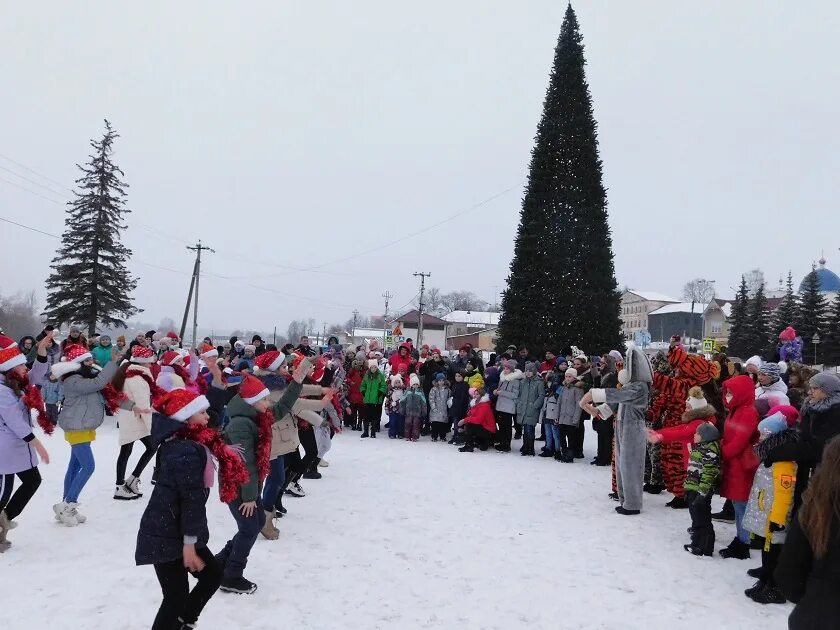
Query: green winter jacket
{"type": "Point", "coordinates": [704, 462]}
{"type": "Point", "coordinates": [242, 431]}
{"type": "Point", "coordinates": [373, 388]}
{"type": "Point", "coordinates": [529, 400]}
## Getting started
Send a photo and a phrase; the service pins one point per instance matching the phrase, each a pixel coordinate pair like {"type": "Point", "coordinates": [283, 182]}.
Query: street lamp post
{"type": "Point", "coordinates": [815, 340]}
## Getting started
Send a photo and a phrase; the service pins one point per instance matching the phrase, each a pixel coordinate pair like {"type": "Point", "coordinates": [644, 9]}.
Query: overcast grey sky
{"type": "Point", "coordinates": [299, 134]}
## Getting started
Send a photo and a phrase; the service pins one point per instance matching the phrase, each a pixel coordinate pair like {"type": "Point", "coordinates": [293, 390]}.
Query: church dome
{"type": "Point", "coordinates": [828, 280]}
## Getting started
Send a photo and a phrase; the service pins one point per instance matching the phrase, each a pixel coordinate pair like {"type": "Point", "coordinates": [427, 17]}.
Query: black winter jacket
{"type": "Point", "coordinates": [813, 584]}
{"type": "Point", "coordinates": [177, 506]}
{"type": "Point", "coordinates": [460, 400]}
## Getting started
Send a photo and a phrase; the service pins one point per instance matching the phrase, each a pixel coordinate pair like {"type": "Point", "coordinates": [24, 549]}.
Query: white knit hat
{"type": "Point", "coordinates": [696, 399]}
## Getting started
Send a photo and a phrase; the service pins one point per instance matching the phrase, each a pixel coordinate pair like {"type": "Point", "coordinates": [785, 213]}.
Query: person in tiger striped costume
{"type": "Point", "coordinates": [690, 370]}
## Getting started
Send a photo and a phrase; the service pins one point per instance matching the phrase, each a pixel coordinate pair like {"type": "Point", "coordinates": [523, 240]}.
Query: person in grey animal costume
{"type": "Point", "coordinates": [632, 398]}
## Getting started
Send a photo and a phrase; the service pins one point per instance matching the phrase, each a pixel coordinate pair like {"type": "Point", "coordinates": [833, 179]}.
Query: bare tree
{"type": "Point", "coordinates": [699, 291]}
{"type": "Point", "coordinates": [19, 315]}
{"type": "Point", "coordinates": [755, 279]}
{"type": "Point", "coordinates": [464, 301]}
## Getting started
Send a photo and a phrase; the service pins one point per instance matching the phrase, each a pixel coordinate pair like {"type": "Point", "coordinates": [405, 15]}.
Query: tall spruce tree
{"type": "Point", "coordinates": [813, 312]}
{"type": "Point", "coordinates": [562, 289]}
{"type": "Point", "coordinates": [758, 325]}
{"type": "Point", "coordinates": [739, 330]}
{"type": "Point", "coordinates": [787, 313]}
{"type": "Point", "coordinates": [831, 339]}
{"type": "Point", "coordinates": [90, 282]}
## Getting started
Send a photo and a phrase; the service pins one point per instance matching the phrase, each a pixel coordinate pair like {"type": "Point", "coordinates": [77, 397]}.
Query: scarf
{"type": "Point", "coordinates": [33, 401]}
{"type": "Point", "coordinates": [822, 405]}
{"type": "Point", "coordinates": [265, 421]}
{"type": "Point", "coordinates": [232, 470]}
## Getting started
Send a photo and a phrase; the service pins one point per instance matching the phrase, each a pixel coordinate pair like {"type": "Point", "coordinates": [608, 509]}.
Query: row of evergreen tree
{"type": "Point", "coordinates": [754, 330]}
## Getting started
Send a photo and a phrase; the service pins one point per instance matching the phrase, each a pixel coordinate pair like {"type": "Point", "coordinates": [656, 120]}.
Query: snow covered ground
{"type": "Point", "coordinates": [396, 535]}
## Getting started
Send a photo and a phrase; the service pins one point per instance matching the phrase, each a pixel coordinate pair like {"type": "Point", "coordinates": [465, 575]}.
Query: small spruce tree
{"type": "Point", "coordinates": [90, 282]}
{"type": "Point", "coordinates": [758, 326]}
{"type": "Point", "coordinates": [739, 330]}
{"type": "Point", "coordinates": [787, 313]}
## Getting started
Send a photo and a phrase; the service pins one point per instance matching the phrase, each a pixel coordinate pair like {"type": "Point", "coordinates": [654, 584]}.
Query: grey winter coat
{"type": "Point", "coordinates": [413, 403]}
{"type": "Point", "coordinates": [84, 406]}
{"type": "Point", "coordinates": [529, 401]}
{"type": "Point", "coordinates": [508, 391]}
{"type": "Point", "coordinates": [551, 408]}
{"type": "Point", "coordinates": [570, 406]}
{"type": "Point", "coordinates": [438, 397]}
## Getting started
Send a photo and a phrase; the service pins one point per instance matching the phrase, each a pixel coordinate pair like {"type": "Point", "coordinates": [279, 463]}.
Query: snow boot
{"type": "Point", "coordinates": [365, 434]}
{"type": "Point", "coordinates": [312, 474]}
{"type": "Point", "coordinates": [625, 512]}
{"type": "Point", "coordinates": [66, 514]}
{"type": "Point", "coordinates": [238, 585]}
{"type": "Point", "coordinates": [269, 531]}
{"type": "Point", "coordinates": [726, 514]}
{"type": "Point", "coordinates": [133, 485]}
{"type": "Point", "coordinates": [323, 464]}
{"type": "Point", "coordinates": [123, 493]}
{"type": "Point", "coordinates": [4, 546]}
{"type": "Point", "coordinates": [651, 488]}
{"type": "Point", "coordinates": [769, 595]}
{"type": "Point", "coordinates": [546, 454]}
{"type": "Point", "coordinates": [466, 449]}
{"type": "Point", "coordinates": [755, 573]}
{"type": "Point", "coordinates": [295, 490]}
{"type": "Point", "coordinates": [755, 588]}
{"type": "Point", "coordinates": [613, 496]}
{"type": "Point", "coordinates": [677, 503]}
{"type": "Point", "coordinates": [5, 526]}
{"type": "Point", "coordinates": [736, 550]}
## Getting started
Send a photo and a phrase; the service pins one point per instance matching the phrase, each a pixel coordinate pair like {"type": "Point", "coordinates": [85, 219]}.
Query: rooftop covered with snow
{"type": "Point", "coordinates": [653, 296]}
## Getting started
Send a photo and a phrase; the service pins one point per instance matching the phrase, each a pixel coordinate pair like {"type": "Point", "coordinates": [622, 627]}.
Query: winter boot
{"type": "Point", "coordinates": [769, 595]}
{"type": "Point", "coordinates": [323, 464]}
{"type": "Point", "coordinates": [269, 531]}
{"type": "Point", "coordinates": [726, 514]}
{"type": "Point", "coordinates": [123, 493]}
{"type": "Point", "coordinates": [5, 526]}
{"type": "Point", "coordinates": [625, 512]}
{"type": "Point", "coordinates": [66, 514]}
{"type": "Point", "coordinates": [755, 573]}
{"type": "Point", "coordinates": [80, 518]}
{"type": "Point", "coordinates": [238, 585]}
{"type": "Point", "coordinates": [567, 457]}
{"type": "Point", "coordinates": [736, 549]}
{"type": "Point", "coordinates": [755, 588]}
{"type": "Point", "coordinates": [312, 474]}
{"type": "Point", "coordinates": [652, 488]}
{"type": "Point", "coordinates": [133, 485]}
{"type": "Point", "coordinates": [466, 449]}
{"type": "Point", "coordinates": [677, 503]}
{"type": "Point", "coordinates": [295, 490]}
{"type": "Point", "coordinates": [546, 453]}
{"type": "Point", "coordinates": [613, 496]}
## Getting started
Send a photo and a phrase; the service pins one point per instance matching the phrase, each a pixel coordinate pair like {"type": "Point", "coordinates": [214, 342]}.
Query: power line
{"type": "Point", "coordinates": [31, 192]}
{"type": "Point", "coordinates": [41, 175]}
{"type": "Point", "coordinates": [31, 181]}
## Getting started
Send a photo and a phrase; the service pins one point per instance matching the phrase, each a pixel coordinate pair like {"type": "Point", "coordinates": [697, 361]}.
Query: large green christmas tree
{"type": "Point", "coordinates": [758, 326]}
{"type": "Point", "coordinates": [787, 313]}
{"type": "Point", "coordinates": [90, 282]}
{"type": "Point", "coordinates": [813, 314]}
{"type": "Point", "coordinates": [562, 289]}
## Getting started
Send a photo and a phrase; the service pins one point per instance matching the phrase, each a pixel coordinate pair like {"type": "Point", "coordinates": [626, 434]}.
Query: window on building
{"type": "Point", "coordinates": [717, 327]}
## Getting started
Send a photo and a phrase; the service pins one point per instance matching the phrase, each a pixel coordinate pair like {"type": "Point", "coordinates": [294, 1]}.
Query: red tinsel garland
{"type": "Point", "coordinates": [232, 470]}
{"type": "Point", "coordinates": [265, 421]}
{"type": "Point", "coordinates": [32, 399]}
{"type": "Point", "coordinates": [113, 397]}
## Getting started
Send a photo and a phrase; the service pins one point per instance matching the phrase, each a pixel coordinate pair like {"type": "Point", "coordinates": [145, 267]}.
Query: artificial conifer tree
{"type": "Point", "coordinates": [562, 289]}
{"type": "Point", "coordinates": [787, 313]}
{"type": "Point", "coordinates": [739, 332]}
{"type": "Point", "coordinates": [813, 312]}
{"type": "Point", "coordinates": [90, 282]}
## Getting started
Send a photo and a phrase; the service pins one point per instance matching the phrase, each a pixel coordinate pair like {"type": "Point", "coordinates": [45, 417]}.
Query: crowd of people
{"type": "Point", "coordinates": [257, 419]}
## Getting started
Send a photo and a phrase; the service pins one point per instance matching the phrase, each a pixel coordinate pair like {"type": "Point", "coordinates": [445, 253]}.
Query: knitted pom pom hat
{"type": "Point", "coordinates": [696, 399]}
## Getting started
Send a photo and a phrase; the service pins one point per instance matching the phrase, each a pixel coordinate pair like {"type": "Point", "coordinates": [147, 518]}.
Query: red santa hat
{"type": "Point", "coordinates": [320, 368]}
{"type": "Point", "coordinates": [171, 357]}
{"type": "Point", "coordinates": [270, 361]}
{"type": "Point", "coordinates": [211, 353]}
{"type": "Point", "coordinates": [10, 355]}
{"type": "Point", "coordinates": [7, 342]}
{"type": "Point", "coordinates": [181, 404]}
{"type": "Point", "coordinates": [74, 356]}
{"type": "Point", "coordinates": [141, 354]}
{"type": "Point", "coordinates": [252, 390]}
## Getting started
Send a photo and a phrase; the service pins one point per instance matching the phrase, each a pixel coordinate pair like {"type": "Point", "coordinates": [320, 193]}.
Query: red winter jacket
{"type": "Point", "coordinates": [354, 383]}
{"type": "Point", "coordinates": [685, 432]}
{"type": "Point", "coordinates": [482, 415]}
{"type": "Point", "coordinates": [397, 359]}
{"type": "Point", "coordinates": [740, 433]}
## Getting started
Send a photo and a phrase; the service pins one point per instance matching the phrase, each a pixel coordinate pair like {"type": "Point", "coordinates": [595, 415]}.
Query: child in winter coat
{"type": "Point", "coordinates": [704, 463]}
{"type": "Point", "coordinates": [506, 394]}
{"type": "Point", "coordinates": [459, 407]}
{"type": "Point", "coordinates": [568, 416]}
{"type": "Point", "coordinates": [770, 505]}
{"type": "Point", "coordinates": [473, 376]}
{"type": "Point", "coordinates": [53, 393]}
{"type": "Point", "coordinates": [479, 424]}
{"type": "Point", "coordinates": [252, 416]}
{"type": "Point", "coordinates": [697, 411]}
{"type": "Point", "coordinates": [528, 406]}
{"type": "Point", "coordinates": [413, 407]}
{"type": "Point", "coordinates": [173, 532]}
{"type": "Point", "coordinates": [373, 388]}
{"type": "Point", "coordinates": [393, 397]}
{"type": "Point", "coordinates": [438, 411]}
{"type": "Point", "coordinates": [548, 417]}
